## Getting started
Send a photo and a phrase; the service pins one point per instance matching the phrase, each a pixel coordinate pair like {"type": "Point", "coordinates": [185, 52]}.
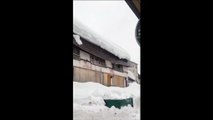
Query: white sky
{"type": "Point", "coordinates": [112, 20]}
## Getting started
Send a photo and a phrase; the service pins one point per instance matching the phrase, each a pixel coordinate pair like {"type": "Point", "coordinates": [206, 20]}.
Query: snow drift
{"type": "Point", "coordinates": [91, 93]}
{"type": "Point", "coordinates": [89, 102]}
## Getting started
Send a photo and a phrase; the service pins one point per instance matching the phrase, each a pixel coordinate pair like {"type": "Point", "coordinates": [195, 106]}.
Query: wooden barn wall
{"type": "Point", "coordinates": [76, 74]}
{"type": "Point", "coordinates": [86, 65]}
{"type": "Point", "coordinates": [85, 75]}
{"type": "Point", "coordinates": [118, 81]}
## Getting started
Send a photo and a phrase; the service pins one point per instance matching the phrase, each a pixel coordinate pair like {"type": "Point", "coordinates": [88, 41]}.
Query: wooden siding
{"type": "Point", "coordinates": [118, 81]}
{"type": "Point", "coordinates": [86, 75]}
{"type": "Point", "coordinates": [87, 65]}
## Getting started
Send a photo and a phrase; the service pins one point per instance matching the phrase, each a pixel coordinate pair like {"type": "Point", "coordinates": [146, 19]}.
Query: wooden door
{"type": "Point", "coordinates": [107, 79]}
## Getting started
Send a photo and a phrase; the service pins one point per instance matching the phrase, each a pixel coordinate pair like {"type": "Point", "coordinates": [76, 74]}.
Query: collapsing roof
{"type": "Point", "coordinates": [89, 35]}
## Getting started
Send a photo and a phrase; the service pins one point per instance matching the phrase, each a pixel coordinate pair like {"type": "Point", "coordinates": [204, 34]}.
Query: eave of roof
{"type": "Point", "coordinates": [99, 52]}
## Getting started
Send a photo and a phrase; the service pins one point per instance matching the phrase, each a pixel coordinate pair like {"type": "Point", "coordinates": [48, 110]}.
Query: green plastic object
{"type": "Point", "coordinates": [118, 103]}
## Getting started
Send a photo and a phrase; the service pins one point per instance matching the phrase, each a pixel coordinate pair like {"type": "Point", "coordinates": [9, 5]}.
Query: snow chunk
{"type": "Point", "coordinates": [90, 36]}
{"type": "Point", "coordinates": [131, 75]}
{"type": "Point", "coordinates": [77, 39]}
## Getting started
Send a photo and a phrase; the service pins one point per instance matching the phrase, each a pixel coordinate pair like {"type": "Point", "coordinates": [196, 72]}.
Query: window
{"type": "Point", "coordinates": [97, 61]}
{"type": "Point", "coordinates": [76, 53]}
{"type": "Point", "coordinates": [117, 67]}
{"type": "Point", "coordinates": [92, 58]}
{"type": "Point", "coordinates": [102, 62]}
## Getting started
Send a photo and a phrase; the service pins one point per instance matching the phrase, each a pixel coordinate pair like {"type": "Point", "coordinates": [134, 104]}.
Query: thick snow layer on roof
{"type": "Point", "coordinates": [131, 75]}
{"type": "Point", "coordinates": [90, 36]}
{"type": "Point", "coordinates": [77, 39]}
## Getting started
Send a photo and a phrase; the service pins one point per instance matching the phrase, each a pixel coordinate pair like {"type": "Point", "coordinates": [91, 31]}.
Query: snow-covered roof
{"type": "Point", "coordinates": [131, 75]}
{"type": "Point", "coordinates": [89, 35]}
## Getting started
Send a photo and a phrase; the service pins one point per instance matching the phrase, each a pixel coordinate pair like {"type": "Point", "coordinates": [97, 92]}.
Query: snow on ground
{"type": "Point", "coordinates": [105, 113]}
{"type": "Point", "coordinates": [89, 35]}
{"type": "Point", "coordinates": [89, 102]}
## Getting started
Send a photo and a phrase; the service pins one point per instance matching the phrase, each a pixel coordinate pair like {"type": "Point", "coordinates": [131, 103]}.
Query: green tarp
{"type": "Point", "coordinates": [118, 103]}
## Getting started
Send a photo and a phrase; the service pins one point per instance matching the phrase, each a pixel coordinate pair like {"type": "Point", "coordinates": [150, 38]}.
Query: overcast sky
{"type": "Point", "coordinates": [112, 20]}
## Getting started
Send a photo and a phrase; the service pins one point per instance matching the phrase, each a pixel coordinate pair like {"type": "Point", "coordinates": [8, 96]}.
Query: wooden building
{"type": "Point", "coordinates": [91, 63]}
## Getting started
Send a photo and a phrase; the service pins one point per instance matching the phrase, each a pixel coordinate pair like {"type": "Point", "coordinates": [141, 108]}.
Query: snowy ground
{"type": "Point", "coordinates": [89, 104]}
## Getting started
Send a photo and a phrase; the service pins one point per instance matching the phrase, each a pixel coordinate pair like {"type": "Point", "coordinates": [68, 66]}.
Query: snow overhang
{"type": "Point", "coordinates": [131, 75]}
{"type": "Point", "coordinates": [89, 35]}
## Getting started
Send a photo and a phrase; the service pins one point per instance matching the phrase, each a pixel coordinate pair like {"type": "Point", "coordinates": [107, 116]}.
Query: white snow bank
{"type": "Point", "coordinates": [131, 75]}
{"type": "Point", "coordinates": [77, 39]}
{"type": "Point", "coordinates": [82, 112]}
{"type": "Point", "coordinates": [89, 102]}
{"type": "Point", "coordinates": [89, 35]}
{"type": "Point", "coordinates": [91, 93]}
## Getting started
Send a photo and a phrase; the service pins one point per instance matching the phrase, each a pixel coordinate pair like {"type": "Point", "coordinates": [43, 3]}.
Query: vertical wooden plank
{"type": "Point", "coordinates": [118, 81]}
{"type": "Point", "coordinates": [76, 74]}
{"type": "Point", "coordinates": [84, 75]}
{"type": "Point", "coordinates": [80, 75]}
{"type": "Point", "coordinates": [115, 81]}
{"type": "Point", "coordinates": [122, 81]}
{"type": "Point", "coordinates": [92, 76]}
{"type": "Point", "coordinates": [108, 80]}
{"type": "Point", "coordinates": [102, 78]}
{"type": "Point", "coordinates": [96, 76]}
{"type": "Point", "coordinates": [105, 79]}
{"type": "Point", "coordinates": [89, 77]}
